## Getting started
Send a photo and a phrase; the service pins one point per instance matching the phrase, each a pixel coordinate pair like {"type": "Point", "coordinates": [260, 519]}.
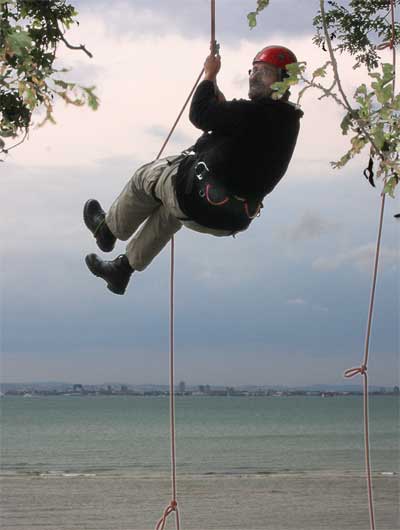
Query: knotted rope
{"type": "Point", "coordinates": [173, 505]}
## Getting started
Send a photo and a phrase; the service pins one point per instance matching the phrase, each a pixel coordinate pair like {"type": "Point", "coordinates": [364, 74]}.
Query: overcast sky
{"type": "Point", "coordinates": [284, 303]}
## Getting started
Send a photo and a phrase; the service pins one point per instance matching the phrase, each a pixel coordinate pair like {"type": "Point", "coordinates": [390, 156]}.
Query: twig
{"type": "Point", "coordinates": [6, 151]}
{"type": "Point", "coordinates": [71, 47]}
{"type": "Point", "coordinates": [339, 84]}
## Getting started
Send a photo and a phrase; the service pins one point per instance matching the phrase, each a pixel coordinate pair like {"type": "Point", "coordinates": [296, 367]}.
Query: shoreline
{"type": "Point", "coordinates": [207, 475]}
{"type": "Point", "coordinates": [259, 502]}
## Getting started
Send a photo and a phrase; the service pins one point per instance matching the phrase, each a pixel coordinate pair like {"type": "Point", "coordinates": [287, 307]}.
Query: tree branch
{"type": "Point", "coordinates": [339, 83]}
{"type": "Point", "coordinates": [68, 45]}
{"type": "Point", "coordinates": [5, 151]}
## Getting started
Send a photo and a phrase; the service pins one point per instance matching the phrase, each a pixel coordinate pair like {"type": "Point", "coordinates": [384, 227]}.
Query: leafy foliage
{"type": "Point", "coordinates": [252, 17]}
{"type": "Point", "coordinates": [373, 117]}
{"type": "Point", "coordinates": [30, 33]}
{"type": "Point", "coordinates": [358, 28]}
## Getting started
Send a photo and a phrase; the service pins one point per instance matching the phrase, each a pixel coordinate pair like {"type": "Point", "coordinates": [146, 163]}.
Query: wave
{"type": "Point", "coordinates": [146, 474]}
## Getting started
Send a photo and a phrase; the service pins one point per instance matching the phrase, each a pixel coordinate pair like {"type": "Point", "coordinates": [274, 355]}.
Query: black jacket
{"type": "Point", "coordinates": [247, 145]}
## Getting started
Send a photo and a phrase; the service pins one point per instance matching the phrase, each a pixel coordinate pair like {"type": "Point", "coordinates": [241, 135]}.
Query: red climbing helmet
{"type": "Point", "coordinates": [279, 56]}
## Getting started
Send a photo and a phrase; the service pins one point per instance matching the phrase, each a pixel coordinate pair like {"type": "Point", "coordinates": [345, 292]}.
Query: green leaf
{"type": "Point", "coordinates": [21, 88]}
{"type": "Point", "coordinates": [383, 94]}
{"type": "Point", "coordinates": [346, 122]}
{"type": "Point", "coordinates": [358, 142]}
{"type": "Point", "coordinates": [252, 19]}
{"type": "Point", "coordinates": [379, 136]}
{"type": "Point", "coordinates": [262, 4]}
{"type": "Point", "coordinates": [388, 72]}
{"type": "Point", "coordinates": [93, 100]}
{"type": "Point", "coordinates": [61, 83]}
{"type": "Point", "coordinates": [396, 102]}
{"type": "Point", "coordinates": [343, 161]}
{"type": "Point", "coordinates": [390, 186]}
{"type": "Point", "coordinates": [7, 133]}
{"type": "Point", "coordinates": [296, 68]}
{"type": "Point", "coordinates": [362, 89]}
{"type": "Point", "coordinates": [320, 72]}
{"type": "Point", "coordinates": [19, 41]}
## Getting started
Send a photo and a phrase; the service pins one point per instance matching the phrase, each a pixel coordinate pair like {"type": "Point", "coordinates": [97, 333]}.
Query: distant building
{"type": "Point", "coordinates": [204, 389]}
{"type": "Point", "coordinates": [182, 387]}
{"type": "Point", "coordinates": [78, 388]}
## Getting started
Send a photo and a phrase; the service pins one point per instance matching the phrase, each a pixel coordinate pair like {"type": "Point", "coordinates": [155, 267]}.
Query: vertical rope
{"type": "Point", "coordinates": [392, 44]}
{"type": "Point", "coordinates": [213, 43]}
{"type": "Point", "coordinates": [173, 505]}
{"type": "Point", "coordinates": [172, 371]}
{"type": "Point", "coordinates": [362, 370]}
{"type": "Point", "coordinates": [180, 115]}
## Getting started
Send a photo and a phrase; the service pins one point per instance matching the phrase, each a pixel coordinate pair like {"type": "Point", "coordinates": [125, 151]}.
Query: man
{"type": "Point", "coordinates": [217, 186]}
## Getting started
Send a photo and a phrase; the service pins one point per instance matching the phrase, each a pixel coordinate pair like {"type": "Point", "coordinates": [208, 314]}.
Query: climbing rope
{"type": "Point", "coordinates": [173, 505]}
{"type": "Point", "coordinates": [362, 370]}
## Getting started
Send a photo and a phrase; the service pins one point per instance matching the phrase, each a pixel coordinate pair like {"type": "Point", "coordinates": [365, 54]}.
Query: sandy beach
{"type": "Point", "coordinates": [312, 501]}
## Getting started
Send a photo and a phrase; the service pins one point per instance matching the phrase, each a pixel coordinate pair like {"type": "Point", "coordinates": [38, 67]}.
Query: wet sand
{"type": "Point", "coordinates": [312, 501]}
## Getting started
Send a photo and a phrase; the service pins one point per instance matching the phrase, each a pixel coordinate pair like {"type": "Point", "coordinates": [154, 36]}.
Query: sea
{"type": "Point", "coordinates": [231, 446]}
{"type": "Point", "coordinates": [124, 434]}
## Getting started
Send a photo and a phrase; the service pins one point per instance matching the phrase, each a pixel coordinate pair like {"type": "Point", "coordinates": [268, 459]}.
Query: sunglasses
{"type": "Point", "coordinates": [264, 70]}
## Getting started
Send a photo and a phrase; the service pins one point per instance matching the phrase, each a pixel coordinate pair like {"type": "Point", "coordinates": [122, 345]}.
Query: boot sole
{"type": "Point", "coordinates": [86, 213]}
{"type": "Point", "coordinates": [104, 248]}
{"type": "Point", "coordinates": [110, 287]}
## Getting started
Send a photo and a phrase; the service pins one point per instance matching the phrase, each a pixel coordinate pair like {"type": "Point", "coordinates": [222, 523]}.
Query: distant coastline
{"type": "Point", "coordinates": [77, 389]}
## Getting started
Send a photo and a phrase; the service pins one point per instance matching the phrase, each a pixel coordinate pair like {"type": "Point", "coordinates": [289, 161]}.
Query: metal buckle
{"type": "Point", "coordinates": [200, 169]}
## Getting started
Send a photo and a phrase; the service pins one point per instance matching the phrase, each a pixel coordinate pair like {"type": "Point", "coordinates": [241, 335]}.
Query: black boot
{"type": "Point", "coordinates": [94, 218]}
{"type": "Point", "coordinates": [116, 273]}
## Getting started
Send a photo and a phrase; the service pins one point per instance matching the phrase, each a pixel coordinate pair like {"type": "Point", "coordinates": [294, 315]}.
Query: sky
{"type": "Point", "coordinates": [283, 303]}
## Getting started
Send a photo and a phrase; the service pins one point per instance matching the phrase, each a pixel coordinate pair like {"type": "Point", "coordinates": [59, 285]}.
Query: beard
{"type": "Point", "coordinates": [257, 88]}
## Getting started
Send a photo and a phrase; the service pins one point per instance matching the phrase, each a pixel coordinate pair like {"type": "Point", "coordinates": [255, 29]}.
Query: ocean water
{"type": "Point", "coordinates": [129, 436]}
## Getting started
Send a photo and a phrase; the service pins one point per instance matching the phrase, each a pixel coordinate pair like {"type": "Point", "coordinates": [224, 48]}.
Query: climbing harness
{"type": "Point", "coordinates": [216, 195]}
{"type": "Point", "coordinates": [211, 204]}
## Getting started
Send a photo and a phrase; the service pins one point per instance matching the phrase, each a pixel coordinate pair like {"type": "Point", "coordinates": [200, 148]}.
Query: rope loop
{"type": "Point", "coordinates": [257, 212]}
{"type": "Point", "coordinates": [384, 45]}
{"type": "Point", "coordinates": [172, 507]}
{"type": "Point", "coordinates": [219, 203]}
{"type": "Point", "coordinates": [351, 372]}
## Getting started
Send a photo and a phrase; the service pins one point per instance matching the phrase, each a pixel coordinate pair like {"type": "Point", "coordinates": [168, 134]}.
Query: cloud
{"type": "Point", "coordinates": [235, 298]}
{"type": "Point", "coordinates": [310, 226]}
{"type": "Point", "coordinates": [138, 93]}
{"type": "Point", "coordinates": [301, 302]}
{"type": "Point", "coordinates": [319, 308]}
{"type": "Point", "coordinates": [179, 138]}
{"type": "Point", "coordinates": [361, 257]}
{"type": "Point", "coordinates": [296, 301]}
{"type": "Point", "coordinates": [192, 18]}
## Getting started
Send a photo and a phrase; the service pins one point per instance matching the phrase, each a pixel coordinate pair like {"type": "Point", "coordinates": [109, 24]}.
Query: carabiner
{"type": "Point", "coordinates": [200, 169]}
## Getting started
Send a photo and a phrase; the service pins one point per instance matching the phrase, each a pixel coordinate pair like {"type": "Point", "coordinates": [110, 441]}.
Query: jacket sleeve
{"type": "Point", "coordinates": [208, 114]}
